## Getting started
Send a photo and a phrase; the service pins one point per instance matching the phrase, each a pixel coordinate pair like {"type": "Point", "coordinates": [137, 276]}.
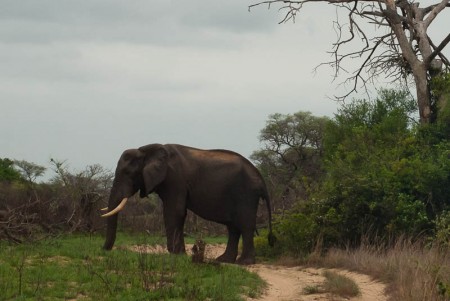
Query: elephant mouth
{"type": "Point", "coordinates": [115, 210]}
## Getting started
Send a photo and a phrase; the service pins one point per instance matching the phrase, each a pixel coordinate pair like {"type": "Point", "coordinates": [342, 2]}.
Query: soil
{"type": "Point", "coordinates": [288, 283]}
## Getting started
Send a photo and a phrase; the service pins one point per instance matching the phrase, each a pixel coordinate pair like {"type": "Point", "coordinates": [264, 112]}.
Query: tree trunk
{"type": "Point", "coordinates": [423, 94]}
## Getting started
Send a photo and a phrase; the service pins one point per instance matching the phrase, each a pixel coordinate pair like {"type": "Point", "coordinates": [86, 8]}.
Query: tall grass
{"type": "Point", "coordinates": [412, 270]}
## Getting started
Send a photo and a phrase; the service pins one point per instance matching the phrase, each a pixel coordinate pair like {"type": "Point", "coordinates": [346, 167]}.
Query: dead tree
{"type": "Point", "coordinates": [400, 47]}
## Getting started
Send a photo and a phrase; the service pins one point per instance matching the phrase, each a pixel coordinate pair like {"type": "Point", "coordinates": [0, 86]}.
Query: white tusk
{"type": "Point", "coordinates": [104, 209]}
{"type": "Point", "coordinates": [117, 209]}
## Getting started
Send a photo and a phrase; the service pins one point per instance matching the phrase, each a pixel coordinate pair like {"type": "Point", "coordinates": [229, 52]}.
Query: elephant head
{"type": "Point", "coordinates": [141, 170]}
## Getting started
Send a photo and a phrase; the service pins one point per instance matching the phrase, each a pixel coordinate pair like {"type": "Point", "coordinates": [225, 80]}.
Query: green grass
{"type": "Point", "coordinates": [76, 268]}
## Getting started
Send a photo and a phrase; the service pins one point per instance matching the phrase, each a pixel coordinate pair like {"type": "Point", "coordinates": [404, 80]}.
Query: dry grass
{"type": "Point", "coordinates": [335, 284]}
{"type": "Point", "coordinates": [413, 271]}
{"type": "Point", "coordinates": [340, 285]}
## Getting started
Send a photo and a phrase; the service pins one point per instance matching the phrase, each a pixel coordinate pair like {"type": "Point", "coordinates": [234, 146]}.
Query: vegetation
{"type": "Point", "coordinates": [74, 267]}
{"type": "Point", "coordinates": [412, 270]}
{"type": "Point", "coordinates": [340, 285]}
{"type": "Point", "coordinates": [7, 171]}
{"type": "Point", "coordinates": [380, 194]}
{"type": "Point", "coordinates": [335, 284]}
{"type": "Point", "coordinates": [68, 203]}
{"type": "Point", "coordinates": [366, 190]}
{"type": "Point", "coordinates": [381, 176]}
{"type": "Point", "coordinates": [291, 157]}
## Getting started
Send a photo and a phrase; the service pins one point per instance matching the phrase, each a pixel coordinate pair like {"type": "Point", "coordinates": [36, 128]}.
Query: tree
{"type": "Point", "coordinates": [85, 191]}
{"type": "Point", "coordinates": [7, 171]}
{"type": "Point", "coordinates": [30, 171]}
{"type": "Point", "coordinates": [381, 174]}
{"type": "Point", "coordinates": [290, 159]}
{"type": "Point", "coordinates": [404, 51]}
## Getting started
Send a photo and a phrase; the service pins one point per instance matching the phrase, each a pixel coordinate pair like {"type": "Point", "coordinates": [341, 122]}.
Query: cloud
{"type": "Point", "coordinates": [156, 22]}
{"type": "Point", "coordinates": [84, 80]}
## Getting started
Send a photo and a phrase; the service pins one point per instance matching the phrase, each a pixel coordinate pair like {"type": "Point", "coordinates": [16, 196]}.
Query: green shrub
{"type": "Point", "coordinates": [296, 235]}
{"type": "Point", "coordinates": [442, 223]}
{"type": "Point", "coordinates": [385, 176]}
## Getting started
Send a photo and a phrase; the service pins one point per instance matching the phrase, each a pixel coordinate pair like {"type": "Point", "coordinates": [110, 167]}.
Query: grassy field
{"type": "Point", "coordinates": [76, 268]}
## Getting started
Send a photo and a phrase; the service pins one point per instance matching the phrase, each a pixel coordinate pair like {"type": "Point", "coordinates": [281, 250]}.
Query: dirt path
{"type": "Point", "coordinates": [287, 283]}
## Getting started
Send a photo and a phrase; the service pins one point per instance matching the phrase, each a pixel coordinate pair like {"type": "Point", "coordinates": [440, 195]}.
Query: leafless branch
{"type": "Point", "coordinates": [437, 50]}
{"type": "Point", "coordinates": [434, 10]}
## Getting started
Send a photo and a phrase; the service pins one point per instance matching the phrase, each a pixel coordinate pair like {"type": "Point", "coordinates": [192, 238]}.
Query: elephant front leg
{"type": "Point", "coordinates": [175, 241]}
{"type": "Point", "coordinates": [174, 232]}
{"type": "Point", "coordinates": [231, 251]}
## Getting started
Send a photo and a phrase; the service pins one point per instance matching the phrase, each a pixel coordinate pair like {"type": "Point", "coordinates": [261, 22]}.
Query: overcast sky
{"type": "Point", "coordinates": [84, 80]}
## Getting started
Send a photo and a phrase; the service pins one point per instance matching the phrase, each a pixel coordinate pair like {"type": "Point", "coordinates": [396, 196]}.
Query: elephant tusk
{"type": "Point", "coordinates": [104, 209]}
{"type": "Point", "coordinates": [117, 209]}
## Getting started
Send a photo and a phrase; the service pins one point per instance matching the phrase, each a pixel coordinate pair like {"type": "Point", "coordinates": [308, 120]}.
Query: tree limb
{"type": "Point", "coordinates": [437, 50]}
{"type": "Point", "coordinates": [434, 10]}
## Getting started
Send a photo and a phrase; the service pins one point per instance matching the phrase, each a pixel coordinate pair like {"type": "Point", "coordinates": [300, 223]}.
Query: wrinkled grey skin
{"type": "Point", "coordinates": [218, 185]}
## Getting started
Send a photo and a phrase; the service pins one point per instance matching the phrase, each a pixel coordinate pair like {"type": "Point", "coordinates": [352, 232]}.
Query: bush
{"type": "Point", "coordinates": [296, 235]}
{"type": "Point", "coordinates": [384, 176]}
{"type": "Point", "coordinates": [442, 235]}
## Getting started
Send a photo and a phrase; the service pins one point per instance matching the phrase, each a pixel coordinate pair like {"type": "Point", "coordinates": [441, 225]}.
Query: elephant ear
{"type": "Point", "coordinates": [155, 168]}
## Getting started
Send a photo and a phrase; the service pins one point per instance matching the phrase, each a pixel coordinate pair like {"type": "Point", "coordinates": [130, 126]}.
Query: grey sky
{"type": "Point", "coordinates": [84, 80]}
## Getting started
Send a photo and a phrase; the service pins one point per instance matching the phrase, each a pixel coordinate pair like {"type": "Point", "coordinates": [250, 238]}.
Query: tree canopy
{"type": "Point", "coordinates": [291, 156]}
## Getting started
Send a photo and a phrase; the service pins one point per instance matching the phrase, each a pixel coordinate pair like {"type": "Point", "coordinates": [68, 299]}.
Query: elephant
{"type": "Point", "coordinates": [217, 185]}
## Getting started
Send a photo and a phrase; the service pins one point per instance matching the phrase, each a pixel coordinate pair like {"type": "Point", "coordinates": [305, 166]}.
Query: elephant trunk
{"type": "Point", "coordinates": [111, 227]}
{"type": "Point", "coordinates": [111, 220]}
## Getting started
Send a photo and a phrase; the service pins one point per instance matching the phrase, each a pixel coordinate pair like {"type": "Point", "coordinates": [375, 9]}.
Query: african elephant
{"type": "Point", "coordinates": [218, 185]}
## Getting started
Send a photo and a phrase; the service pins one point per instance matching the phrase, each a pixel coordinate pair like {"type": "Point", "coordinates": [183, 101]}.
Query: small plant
{"type": "Point", "coordinates": [312, 289]}
{"type": "Point", "coordinates": [334, 284]}
{"type": "Point", "coordinates": [340, 285]}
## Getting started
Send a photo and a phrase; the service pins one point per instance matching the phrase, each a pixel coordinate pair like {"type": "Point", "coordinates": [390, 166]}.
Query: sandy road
{"type": "Point", "coordinates": [287, 283]}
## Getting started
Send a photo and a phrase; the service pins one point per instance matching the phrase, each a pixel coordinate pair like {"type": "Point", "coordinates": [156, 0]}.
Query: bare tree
{"type": "Point", "coordinates": [83, 192]}
{"type": "Point", "coordinates": [401, 47]}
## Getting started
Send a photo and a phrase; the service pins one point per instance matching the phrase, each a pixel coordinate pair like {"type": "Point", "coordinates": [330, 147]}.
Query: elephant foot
{"type": "Point", "coordinates": [180, 252]}
{"type": "Point", "coordinates": [225, 258]}
{"type": "Point", "coordinates": [246, 261]}
{"type": "Point", "coordinates": [180, 249]}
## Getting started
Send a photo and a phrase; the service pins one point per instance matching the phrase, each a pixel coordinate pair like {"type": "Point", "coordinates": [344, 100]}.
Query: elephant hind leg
{"type": "Point", "coordinates": [248, 248]}
{"type": "Point", "coordinates": [231, 251]}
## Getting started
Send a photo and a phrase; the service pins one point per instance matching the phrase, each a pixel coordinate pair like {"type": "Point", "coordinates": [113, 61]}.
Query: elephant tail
{"type": "Point", "coordinates": [270, 237]}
